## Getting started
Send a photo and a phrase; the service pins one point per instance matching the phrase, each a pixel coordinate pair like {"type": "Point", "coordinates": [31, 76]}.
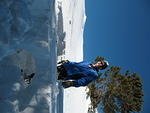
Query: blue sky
{"type": "Point", "coordinates": [119, 30]}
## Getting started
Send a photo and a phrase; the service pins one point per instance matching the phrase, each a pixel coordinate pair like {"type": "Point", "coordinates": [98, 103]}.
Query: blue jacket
{"type": "Point", "coordinates": [80, 72]}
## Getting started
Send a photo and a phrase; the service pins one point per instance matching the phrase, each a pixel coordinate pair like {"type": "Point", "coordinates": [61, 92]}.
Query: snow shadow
{"type": "Point", "coordinates": [61, 44]}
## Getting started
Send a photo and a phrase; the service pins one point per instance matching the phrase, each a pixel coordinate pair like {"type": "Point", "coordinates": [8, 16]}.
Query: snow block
{"type": "Point", "coordinates": [27, 47]}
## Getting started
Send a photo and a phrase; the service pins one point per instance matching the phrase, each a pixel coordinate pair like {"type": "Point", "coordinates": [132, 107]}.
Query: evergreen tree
{"type": "Point", "coordinates": [115, 92]}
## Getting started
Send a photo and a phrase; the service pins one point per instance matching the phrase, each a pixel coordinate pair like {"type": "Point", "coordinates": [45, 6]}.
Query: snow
{"type": "Point", "coordinates": [28, 43]}
{"type": "Point", "coordinates": [74, 20]}
{"type": "Point", "coordinates": [34, 35]}
{"type": "Point", "coordinates": [73, 25]}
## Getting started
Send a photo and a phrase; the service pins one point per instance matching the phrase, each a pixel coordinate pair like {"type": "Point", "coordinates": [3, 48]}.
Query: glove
{"type": "Point", "coordinates": [67, 84]}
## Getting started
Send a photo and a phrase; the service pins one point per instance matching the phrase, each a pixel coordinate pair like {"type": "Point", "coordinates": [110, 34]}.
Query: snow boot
{"type": "Point", "coordinates": [62, 74]}
{"type": "Point", "coordinates": [62, 62]}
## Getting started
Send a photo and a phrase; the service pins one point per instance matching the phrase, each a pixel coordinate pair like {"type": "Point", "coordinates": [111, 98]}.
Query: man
{"type": "Point", "coordinates": [78, 74]}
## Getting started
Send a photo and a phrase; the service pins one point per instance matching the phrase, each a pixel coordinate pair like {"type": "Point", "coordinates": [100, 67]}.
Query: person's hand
{"type": "Point", "coordinates": [67, 84]}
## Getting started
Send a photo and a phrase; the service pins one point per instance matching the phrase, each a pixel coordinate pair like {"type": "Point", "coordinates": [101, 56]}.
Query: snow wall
{"type": "Point", "coordinates": [34, 35]}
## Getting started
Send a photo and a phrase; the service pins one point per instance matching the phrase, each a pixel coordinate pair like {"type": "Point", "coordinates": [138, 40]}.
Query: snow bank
{"type": "Point", "coordinates": [27, 45]}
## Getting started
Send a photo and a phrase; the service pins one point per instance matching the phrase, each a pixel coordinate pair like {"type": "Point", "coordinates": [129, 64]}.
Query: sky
{"type": "Point", "coordinates": [119, 30]}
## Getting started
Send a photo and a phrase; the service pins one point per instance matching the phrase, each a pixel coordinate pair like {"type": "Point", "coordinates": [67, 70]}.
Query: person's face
{"type": "Point", "coordinates": [99, 64]}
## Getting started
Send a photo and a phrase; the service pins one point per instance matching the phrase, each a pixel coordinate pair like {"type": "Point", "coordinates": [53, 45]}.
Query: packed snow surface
{"type": "Point", "coordinates": [73, 12]}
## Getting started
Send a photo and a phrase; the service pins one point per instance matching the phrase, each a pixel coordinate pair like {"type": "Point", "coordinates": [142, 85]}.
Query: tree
{"type": "Point", "coordinates": [115, 92]}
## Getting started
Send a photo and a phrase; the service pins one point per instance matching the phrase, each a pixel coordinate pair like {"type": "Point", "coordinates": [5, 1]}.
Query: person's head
{"type": "Point", "coordinates": [101, 65]}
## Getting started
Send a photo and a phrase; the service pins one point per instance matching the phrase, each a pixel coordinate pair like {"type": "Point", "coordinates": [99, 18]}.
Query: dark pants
{"type": "Point", "coordinates": [63, 74]}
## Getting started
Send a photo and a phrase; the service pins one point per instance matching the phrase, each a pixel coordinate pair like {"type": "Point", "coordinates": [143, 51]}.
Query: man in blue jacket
{"type": "Point", "coordinates": [78, 74]}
